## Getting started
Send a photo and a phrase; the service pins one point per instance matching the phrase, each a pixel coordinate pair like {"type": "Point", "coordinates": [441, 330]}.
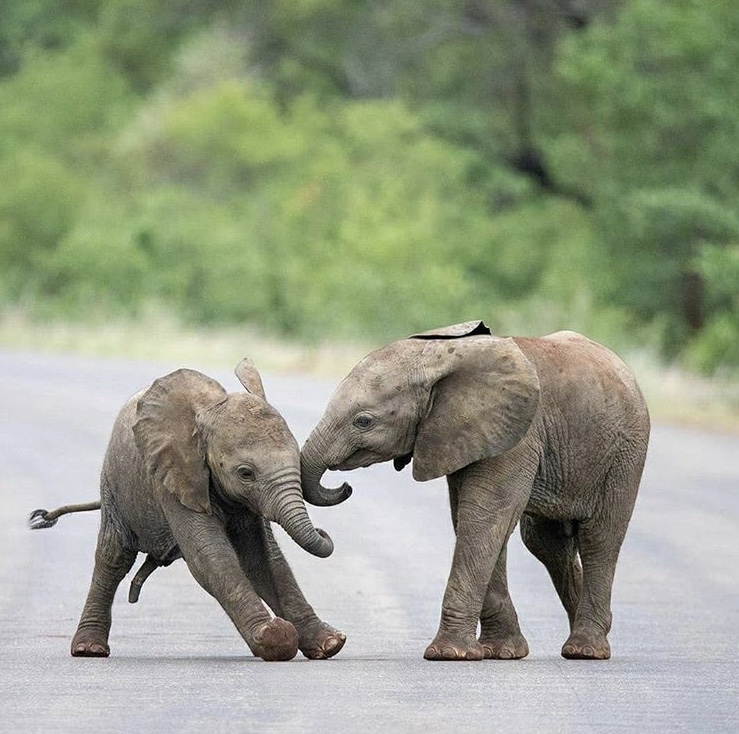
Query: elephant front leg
{"type": "Point", "coordinates": [273, 580]}
{"type": "Point", "coordinates": [214, 563]}
{"type": "Point", "coordinates": [500, 634]}
{"type": "Point", "coordinates": [487, 501]}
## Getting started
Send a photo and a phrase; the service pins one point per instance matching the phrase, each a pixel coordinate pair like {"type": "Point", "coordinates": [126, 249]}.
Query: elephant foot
{"type": "Point", "coordinates": [321, 641]}
{"type": "Point", "coordinates": [276, 640]}
{"type": "Point", "coordinates": [454, 647]}
{"type": "Point", "coordinates": [514, 647]}
{"type": "Point", "coordinates": [90, 643]}
{"type": "Point", "coordinates": [581, 646]}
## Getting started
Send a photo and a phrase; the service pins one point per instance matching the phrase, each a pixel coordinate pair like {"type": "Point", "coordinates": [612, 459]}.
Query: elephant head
{"type": "Point", "coordinates": [444, 398]}
{"type": "Point", "coordinates": [205, 446]}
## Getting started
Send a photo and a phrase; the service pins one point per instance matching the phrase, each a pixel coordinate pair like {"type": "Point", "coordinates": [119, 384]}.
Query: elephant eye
{"type": "Point", "coordinates": [246, 473]}
{"type": "Point", "coordinates": [363, 421]}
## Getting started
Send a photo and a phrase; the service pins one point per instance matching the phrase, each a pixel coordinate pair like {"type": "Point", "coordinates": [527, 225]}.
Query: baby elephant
{"type": "Point", "coordinates": [550, 433]}
{"type": "Point", "coordinates": [193, 472]}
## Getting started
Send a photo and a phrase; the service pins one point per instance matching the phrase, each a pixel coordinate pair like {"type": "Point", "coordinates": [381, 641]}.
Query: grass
{"type": "Point", "coordinates": [162, 338]}
{"type": "Point", "coordinates": [677, 396]}
{"type": "Point", "coordinates": [673, 394]}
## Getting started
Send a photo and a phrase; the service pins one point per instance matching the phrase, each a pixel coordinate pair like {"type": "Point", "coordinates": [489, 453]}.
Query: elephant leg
{"type": "Point", "coordinates": [554, 543]}
{"type": "Point", "coordinates": [600, 538]}
{"type": "Point", "coordinates": [500, 634]}
{"type": "Point", "coordinates": [215, 565]}
{"type": "Point", "coordinates": [273, 579]}
{"type": "Point", "coordinates": [488, 497]}
{"type": "Point", "coordinates": [592, 619]}
{"type": "Point", "coordinates": [112, 563]}
{"type": "Point", "coordinates": [600, 543]}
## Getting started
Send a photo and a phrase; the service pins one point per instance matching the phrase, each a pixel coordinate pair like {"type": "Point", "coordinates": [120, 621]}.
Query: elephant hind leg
{"type": "Point", "coordinates": [599, 543]}
{"type": "Point", "coordinates": [112, 563]}
{"type": "Point", "coordinates": [555, 544]}
{"type": "Point", "coordinates": [588, 638]}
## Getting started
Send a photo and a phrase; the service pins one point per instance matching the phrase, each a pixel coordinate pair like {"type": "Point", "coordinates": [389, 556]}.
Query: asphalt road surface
{"type": "Point", "coordinates": [178, 665]}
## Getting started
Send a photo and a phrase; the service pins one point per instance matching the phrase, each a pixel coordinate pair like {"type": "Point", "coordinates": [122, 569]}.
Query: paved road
{"type": "Point", "coordinates": [177, 664]}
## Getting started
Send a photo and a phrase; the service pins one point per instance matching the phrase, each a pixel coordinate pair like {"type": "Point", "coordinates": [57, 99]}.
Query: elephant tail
{"type": "Point", "coordinates": [40, 519]}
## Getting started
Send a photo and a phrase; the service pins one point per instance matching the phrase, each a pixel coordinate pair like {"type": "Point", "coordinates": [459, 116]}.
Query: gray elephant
{"type": "Point", "coordinates": [548, 432]}
{"type": "Point", "coordinates": [193, 472]}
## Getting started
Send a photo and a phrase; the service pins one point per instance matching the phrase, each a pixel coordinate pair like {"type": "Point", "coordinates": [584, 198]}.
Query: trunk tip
{"type": "Point", "coordinates": [327, 547]}
{"type": "Point", "coordinates": [327, 497]}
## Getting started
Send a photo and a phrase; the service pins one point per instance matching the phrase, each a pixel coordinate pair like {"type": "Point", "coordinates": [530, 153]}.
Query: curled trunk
{"type": "Point", "coordinates": [312, 468]}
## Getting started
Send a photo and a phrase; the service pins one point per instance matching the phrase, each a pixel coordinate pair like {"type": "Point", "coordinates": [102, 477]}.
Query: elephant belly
{"type": "Point", "coordinates": [162, 548]}
{"type": "Point", "coordinates": [569, 485]}
{"type": "Point", "coordinates": [554, 497]}
{"type": "Point", "coordinates": [147, 531]}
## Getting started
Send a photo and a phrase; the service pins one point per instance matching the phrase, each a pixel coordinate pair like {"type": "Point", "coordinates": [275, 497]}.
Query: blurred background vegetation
{"type": "Point", "coordinates": [360, 169]}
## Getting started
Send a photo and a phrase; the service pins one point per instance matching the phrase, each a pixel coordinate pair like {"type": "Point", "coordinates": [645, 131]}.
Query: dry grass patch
{"type": "Point", "coordinates": [673, 394]}
{"type": "Point", "coordinates": [164, 339]}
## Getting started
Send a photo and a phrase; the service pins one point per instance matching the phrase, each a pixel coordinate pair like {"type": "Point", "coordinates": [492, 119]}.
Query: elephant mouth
{"type": "Point", "coordinates": [359, 459]}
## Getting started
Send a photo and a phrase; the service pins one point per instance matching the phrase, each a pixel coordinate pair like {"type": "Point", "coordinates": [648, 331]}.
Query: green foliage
{"type": "Point", "coordinates": [314, 221]}
{"type": "Point", "coordinates": [63, 103]}
{"type": "Point", "coordinates": [650, 135]}
{"type": "Point", "coordinates": [655, 96]}
{"type": "Point", "coordinates": [334, 168]}
{"type": "Point", "coordinates": [35, 213]}
{"type": "Point", "coordinates": [717, 345]}
{"type": "Point", "coordinates": [654, 237]}
{"type": "Point", "coordinates": [40, 24]}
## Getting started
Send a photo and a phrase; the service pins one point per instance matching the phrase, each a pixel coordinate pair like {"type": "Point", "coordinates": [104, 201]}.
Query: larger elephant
{"type": "Point", "coordinates": [551, 432]}
{"type": "Point", "coordinates": [193, 472]}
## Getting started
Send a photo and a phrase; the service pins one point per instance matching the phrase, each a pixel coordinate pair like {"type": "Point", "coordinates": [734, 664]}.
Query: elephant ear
{"type": "Point", "coordinates": [484, 394]}
{"type": "Point", "coordinates": [249, 377]}
{"type": "Point", "coordinates": [167, 435]}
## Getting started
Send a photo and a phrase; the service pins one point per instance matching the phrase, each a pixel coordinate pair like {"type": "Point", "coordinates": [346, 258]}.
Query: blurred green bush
{"type": "Point", "coordinates": [329, 169]}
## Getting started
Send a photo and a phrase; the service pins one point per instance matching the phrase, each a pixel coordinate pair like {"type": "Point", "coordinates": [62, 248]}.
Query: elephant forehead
{"type": "Point", "coordinates": [385, 368]}
{"type": "Point", "coordinates": [370, 387]}
{"type": "Point", "coordinates": [275, 449]}
{"type": "Point", "coordinates": [246, 418]}
{"type": "Point", "coordinates": [245, 407]}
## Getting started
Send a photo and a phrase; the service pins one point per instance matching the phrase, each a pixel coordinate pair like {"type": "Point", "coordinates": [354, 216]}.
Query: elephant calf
{"type": "Point", "coordinates": [551, 432]}
{"type": "Point", "coordinates": [193, 472]}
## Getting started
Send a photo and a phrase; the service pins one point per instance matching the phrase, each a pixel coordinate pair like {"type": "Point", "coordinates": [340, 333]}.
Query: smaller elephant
{"type": "Point", "coordinates": [193, 472]}
{"type": "Point", "coordinates": [550, 433]}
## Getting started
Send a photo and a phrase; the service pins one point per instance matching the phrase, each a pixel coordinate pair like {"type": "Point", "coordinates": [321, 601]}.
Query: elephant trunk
{"type": "Point", "coordinates": [312, 468]}
{"type": "Point", "coordinates": [291, 514]}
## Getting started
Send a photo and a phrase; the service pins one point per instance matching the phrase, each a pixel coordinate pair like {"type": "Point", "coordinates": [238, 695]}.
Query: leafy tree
{"type": "Point", "coordinates": [49, 25]}
{"type": "Point", "coordinates": [337, 167]}
{"type": "Point", "coordinates": [649, 133]}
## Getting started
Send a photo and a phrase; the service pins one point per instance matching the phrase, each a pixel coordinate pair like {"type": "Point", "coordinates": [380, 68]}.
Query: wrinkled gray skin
{"type": "Point", "coordinates": [549, 432]}
{"type": "Point", "coordinates": [193, 472]}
